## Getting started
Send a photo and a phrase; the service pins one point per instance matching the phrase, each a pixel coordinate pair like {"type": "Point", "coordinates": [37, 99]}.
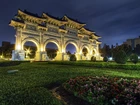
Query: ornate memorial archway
{"type": "Point", "coordinates": [46, 28]}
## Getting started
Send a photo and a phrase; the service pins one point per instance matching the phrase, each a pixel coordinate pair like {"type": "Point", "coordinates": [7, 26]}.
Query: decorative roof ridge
{"type": "Point", "coordinates": [75, 20]}
{"type": "Point", "coordinates": [97, 35]}
{"type": "Point", "coordinates": [51, 16]}
{"type": "Point", "coordinates": [29, 13]}
{"type": "Point", "coordinates": [87, 29]}
{"type": "Point", "coordinates": [17, 20]}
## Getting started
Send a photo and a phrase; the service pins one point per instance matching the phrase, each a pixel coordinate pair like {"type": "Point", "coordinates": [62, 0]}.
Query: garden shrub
{"type": "Point", "coordinates": [134, 58]}
{"type": "Point", "coordinates": [93, 58]}
{"type": "Point", "coordinates": [73, 57]}
{"type": "Point", "coordinates": [105, 59]}
{"type": "Point", "coordinates": [121, 57]}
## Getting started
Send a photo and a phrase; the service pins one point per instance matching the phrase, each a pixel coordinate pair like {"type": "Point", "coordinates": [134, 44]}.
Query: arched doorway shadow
{"type": "Point", "coordinates": [52, 48]}
{"type": "Point", "coordinates": [71, 48]}
{"type": "Point", "coordinates": [85, 53]}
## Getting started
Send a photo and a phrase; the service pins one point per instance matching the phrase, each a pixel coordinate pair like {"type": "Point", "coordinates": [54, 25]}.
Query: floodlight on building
{"type": "Point", "coordinates": [1, 56]}
{"type": "Point", "coordinates": [18, 47]}
{"type": "Point", "coordinates": [41, 49]}
{"type": "Point", "coordinates": [63, 50]}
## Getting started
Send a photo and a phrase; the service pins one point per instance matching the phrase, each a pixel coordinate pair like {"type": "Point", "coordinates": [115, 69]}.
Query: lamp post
{"type": "Point", "coordinates": [27, 52]}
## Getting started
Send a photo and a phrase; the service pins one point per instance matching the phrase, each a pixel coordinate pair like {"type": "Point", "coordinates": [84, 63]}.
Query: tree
{"type": "Point", "coordinates": [106, 50]}
{"type": "Point", "coordinates": [137, 49]}
{"type": "Point", "coordinates": [134, 58]}
{"type": "Point", "coordinates": [73, 57]}
{"type": "Point", "coordinates": [51, 53]}
{"type": "Point", "coordinates": [68, 53]}
{"type": "Point", "coordinates": [121, 57]}
{"type": "Point", "coordinates": [124, 47]}
{"type": "Point", "coordinates": [105, 59]}
{"type": "Point", "coordinates": [93, 58]}
{"type": "Point", "coordinates": [85, 51]}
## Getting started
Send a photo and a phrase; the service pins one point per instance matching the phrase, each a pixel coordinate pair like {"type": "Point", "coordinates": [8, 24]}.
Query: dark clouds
{"type": "Point", "coordinates": [113, 20]}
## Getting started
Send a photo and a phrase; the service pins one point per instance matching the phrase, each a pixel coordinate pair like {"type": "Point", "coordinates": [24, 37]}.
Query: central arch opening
{"type": "Point", "coordinates": [85, 51]}
{"type": "Point", "coordinates": [30, 49]}
{"type": "Point", "coordinates": [51, 49]}
{"type": "Point", "coordinates": [70, 49]}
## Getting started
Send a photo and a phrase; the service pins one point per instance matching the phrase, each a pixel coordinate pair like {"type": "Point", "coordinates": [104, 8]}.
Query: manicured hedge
{"type": "Point", "coordinates": [11, 63]}
{"type": "Point", "coordinates": [99, 65]}
{"type": "Point", "coordinates": [30, 96]}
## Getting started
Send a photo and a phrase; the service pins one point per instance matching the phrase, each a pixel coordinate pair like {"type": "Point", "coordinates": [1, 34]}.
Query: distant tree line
{"type": "Point", "coordinates": [121, 53]}
{"type": "Point", "coordinates": [111, 51]}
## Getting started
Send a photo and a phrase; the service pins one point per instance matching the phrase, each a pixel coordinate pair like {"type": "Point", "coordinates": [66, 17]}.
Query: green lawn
{"type": "Point", "coordinates": [29, 85]}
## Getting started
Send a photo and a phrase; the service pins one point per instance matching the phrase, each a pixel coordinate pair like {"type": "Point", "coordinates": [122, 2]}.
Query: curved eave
{"type": "Point", "coordinates": [78, 25]}
{"type": "Point", "coordinates": [86, 31]}
{"type": "Point", "coordinates": [14, 23]}
{"type": "Point", "coordinates": [30, 16]}
{"type": "Point", "coordinates": [98, 42]}
{"type": "Point", "coordinates": [50, 19]}
{"type": "Point", "coordinates": [95, 36]}
{"type": "Point", "coordinates": [98, 37]}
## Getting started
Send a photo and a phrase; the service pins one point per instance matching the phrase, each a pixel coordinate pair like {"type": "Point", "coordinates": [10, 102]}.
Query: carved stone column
{"type": "Point", "coordinates": [18, 53]}
{"type": "Point", "coordinates": [18, 39]}
{"type": "Point", "coordinates": [41, 54]}
{"type": "Point", "coordinates": [78, 56]}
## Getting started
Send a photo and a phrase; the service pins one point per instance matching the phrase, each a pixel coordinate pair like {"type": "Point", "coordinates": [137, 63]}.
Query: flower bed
{"type": "Point", "coordinates": [105, 90]}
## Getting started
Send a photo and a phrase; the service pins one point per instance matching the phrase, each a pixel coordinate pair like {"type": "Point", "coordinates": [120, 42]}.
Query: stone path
{"type": "Point", "coordinates": [68, 99]}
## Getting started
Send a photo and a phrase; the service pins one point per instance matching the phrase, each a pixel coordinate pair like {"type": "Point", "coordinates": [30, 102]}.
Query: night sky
{"type": "Point", "coordinates": [113, 20]}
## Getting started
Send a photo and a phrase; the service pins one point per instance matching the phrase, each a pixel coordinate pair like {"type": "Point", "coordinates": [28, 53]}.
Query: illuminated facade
{"type": "Point", "coordinates": [44, 29]}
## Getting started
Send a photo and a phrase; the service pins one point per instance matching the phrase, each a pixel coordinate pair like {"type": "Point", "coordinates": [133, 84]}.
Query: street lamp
{"type": "Point", "coordinates": [27, 52]}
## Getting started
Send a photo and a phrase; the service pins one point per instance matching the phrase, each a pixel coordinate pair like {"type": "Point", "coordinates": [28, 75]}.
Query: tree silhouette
{"type": "Point", "coordinates": [85, 51]}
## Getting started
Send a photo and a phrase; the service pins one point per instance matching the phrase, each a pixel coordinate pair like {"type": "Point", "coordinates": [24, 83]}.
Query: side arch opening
{"type": "Point", "coordinates": [30, 47]}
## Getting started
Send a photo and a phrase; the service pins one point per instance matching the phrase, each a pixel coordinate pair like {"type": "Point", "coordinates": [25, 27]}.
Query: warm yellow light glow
{"type": "Point", "coordinates": [41, 49]}
{"type": "Point", "coordinates": [97, 54]}
{"type": "Point", "coordinates": [18, 47]}
{"type": "Point", "coordinates": [91, 52]}
{"type": "Point", "coordinates": [28, 51]}
{"type": "Point", "coordinates": [57, 52]}
{"type": "Point", "coordinates": [63, 50]}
